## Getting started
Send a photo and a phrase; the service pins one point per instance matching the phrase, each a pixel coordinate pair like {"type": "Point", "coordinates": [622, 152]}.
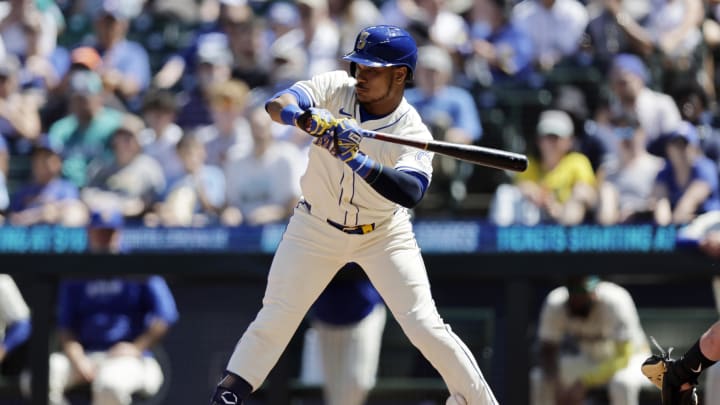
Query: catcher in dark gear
{"type": "Point", "coordinates": [678, 378]}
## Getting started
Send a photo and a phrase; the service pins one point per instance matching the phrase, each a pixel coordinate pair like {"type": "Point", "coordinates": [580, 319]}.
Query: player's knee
{"type": "Point", "coordinates": [110, 395]}
{"type": "Point", "coordinates": [456, 399]}
{"type": "Point", "coordinates": [620, 387]}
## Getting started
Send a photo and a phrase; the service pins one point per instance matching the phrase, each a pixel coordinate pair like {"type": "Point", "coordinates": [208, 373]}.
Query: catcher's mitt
{"type": "Point", "coordinates": [659, 369]}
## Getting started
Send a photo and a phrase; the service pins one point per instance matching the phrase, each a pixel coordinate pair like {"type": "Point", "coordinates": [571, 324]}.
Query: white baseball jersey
{"type": "Point", "coordinates": [329, 185]}
{"type": "Point", "coordinates": [613, 318]}
{"type": "Point", "coordinates": [12, 306]}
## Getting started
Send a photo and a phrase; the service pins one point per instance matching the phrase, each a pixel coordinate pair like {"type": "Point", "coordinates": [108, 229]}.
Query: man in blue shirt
{"type": "Point", "coordinates": [449, 112]}
{"type": "Point", "coordinates": [107, 328]}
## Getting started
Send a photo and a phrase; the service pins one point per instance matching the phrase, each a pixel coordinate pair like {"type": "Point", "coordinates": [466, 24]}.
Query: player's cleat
{"type": "Point", "coordinates": [224, 396]}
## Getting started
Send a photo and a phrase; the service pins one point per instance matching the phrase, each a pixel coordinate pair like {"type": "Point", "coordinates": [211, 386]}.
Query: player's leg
{"type": "Point", "coordinates": [711, 393]}
{"type": "Point", "coordinates": [624, 387]}
{"type": "Point", "coordinates": [118, 378]}
{"type": "Point", "coordinates": [395, 267]}
{"type": "Point", "coordinates": [542, 389]}
{"type": "Point", "coordinates": [350, 357]}
{"type": "Point", "coordinates": [304, 263]}
{"type": "Point", "coordinates": [61, 376]}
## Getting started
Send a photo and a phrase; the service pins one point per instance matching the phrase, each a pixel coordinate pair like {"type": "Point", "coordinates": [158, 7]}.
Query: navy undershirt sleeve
{"type": "Point", "coordinates": [16, 334]}
{"type": "Point", "coordinates": [406, 188]}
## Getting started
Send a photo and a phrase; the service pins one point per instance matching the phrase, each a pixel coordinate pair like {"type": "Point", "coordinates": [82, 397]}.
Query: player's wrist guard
{"type": "Point", "coordinates": [290, 114]}
{"type": "Point", "coordinates": [364, 166]}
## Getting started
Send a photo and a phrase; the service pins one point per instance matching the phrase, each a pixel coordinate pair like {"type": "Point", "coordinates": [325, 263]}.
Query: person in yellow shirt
{"type": "Point", "coordinates": [558, 185]}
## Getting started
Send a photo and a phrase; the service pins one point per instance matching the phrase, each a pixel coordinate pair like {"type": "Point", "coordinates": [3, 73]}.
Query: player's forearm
{"type": "Point", "coordinates": [397, 186]}
{"type": "Point", "coordinates": [605, 370]}
{"type": "Point", "coordinates": [158, 328]}
{"type": "Point", "coordinates": [16, 334]}
{"type": "Point", "coordinates": [276, 106]}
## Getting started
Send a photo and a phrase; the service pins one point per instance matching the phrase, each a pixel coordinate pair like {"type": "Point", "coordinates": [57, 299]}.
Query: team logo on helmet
{"type": "Point", "coordinates": [362, 40]}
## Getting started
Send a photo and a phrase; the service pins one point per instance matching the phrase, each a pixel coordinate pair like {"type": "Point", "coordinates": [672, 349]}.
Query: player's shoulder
{"type": "Point", "coordinates": [557, 297]}
{"type": "Point", "coordinates": [410, 123]}
{"type": "Point", "coordinates": [613, 293]}
{"type": "Point", "coordinates": [335, 78]}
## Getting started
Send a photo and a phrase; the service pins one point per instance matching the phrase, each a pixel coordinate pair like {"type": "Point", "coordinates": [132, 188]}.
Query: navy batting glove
{"type": "Point", "coordinates": [347, 139]}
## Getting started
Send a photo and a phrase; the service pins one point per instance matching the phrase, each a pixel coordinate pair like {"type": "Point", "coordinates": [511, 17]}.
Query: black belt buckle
{"type": "Point", "coordinates": [353, 230]}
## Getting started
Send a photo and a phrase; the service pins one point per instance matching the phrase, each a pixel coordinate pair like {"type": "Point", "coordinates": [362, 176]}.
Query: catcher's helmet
{"type": "Point", "coordinates": [383, 45]}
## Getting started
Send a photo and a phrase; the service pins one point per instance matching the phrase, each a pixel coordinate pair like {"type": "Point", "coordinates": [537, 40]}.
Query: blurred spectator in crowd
{"type": "Point", "coordinates": [657, 112]}
{"type": "Point", "coordinates": [19, 118]}
{"type": "Point", "coordinates": [249, 49]}
{"type": "Point", "coordinates": [84, 133]}
{"type": "Point", "coordinates": [228, 135]}
{"type": "Point", "coordinates": [672, 32]}
{"type": "Point", "coordinates": [318, 36]}
{"type": "Point", "coordinates": [625, 182]}
{"type": "Point", "coordinates": [557, 187]}
{"type": "Point", "coordinates": [15, 329]}
{"type": "Point", "coordinates": [19, 16]}
{"type": "Point", "coordinates": [430, 21]}
{"type": "Point", "coordinates": [688, 184]}
{"type": "Point", "coordinates": [593, 138]}
{"type": "Point", "coordinates": [107, 328]}
{"type": "Point", "coordinates": [213, 66]}
{"type": "Point", "coordinates": [449, 112]}
{"type": "Point", "coordinates": [263, 186]}
{"type": "Point", "coordinates": [605, 37]}
{"type": "Point", "coordinates": [182, 67]}
{"type": "Point", "coordinates": [695, 107]}
{"type": "Point", "coordinates": [501, 52]}
{"type": "Point", "coordinates": [159, 140]}
{"type": "Point", "coordinates": [48, 198]}
{"type": "Point", "coordinates": [57, 104]}
{"type": "Point", "coordinates": [540, 19]}
{"type": "Point", "coordinates": [131, 182]}
{"type": "Point", "coordinates": [351, 16]}
{"type": "Point", "coordinates": [126, 67]}
{"type": "Point", "coordinates": [196, 198]}
{"type": "Point", "coordinates": [589, 336]}
{"type": "Point", "coordinates": [341, 349]}
{"type": "Point", "coordinates": [41, 68]}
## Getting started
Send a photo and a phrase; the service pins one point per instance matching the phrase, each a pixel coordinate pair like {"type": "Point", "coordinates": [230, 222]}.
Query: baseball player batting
{"type": "Point", "coordinates": [355, 209]}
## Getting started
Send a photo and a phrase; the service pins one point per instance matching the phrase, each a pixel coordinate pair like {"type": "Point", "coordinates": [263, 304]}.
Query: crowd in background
{"type": "Point", "coordinates": [154, 108]}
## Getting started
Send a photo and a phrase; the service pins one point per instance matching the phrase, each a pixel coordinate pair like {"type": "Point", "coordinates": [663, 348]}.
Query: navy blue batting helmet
{"type": "Point", "coordinates": [381, 46]}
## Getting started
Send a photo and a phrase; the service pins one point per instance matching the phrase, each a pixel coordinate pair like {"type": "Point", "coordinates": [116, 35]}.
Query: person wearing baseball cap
{"type": "Point", "coordinates": [84, 132]}
{"type": "Point", "coordinates": [629, 78]}
{"type": "Point", "coordinates": [558, 185]}
{"type": "Point", "coordinates": [589, 337]}
{"type": "Point", "coordinates": [47, 198]}
{"type": "Point", "coordinates": [126, 64]}
{"type": "Point", "coordinates": [688, 184]}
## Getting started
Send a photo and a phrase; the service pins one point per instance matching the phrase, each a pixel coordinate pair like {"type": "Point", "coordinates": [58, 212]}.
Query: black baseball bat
{"type": "Point", "coordinates": [479, 155]}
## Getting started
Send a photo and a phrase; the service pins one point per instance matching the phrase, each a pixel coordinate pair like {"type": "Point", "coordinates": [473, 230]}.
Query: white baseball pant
{"type": "Point", "coordinates": [310, 254]}
{"type": "Point", "coordinates": [117, 378]}
{"type": "Point", "coordinates": [623, 388]}
{"type": "Point", "coordinates": [344, 358]}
